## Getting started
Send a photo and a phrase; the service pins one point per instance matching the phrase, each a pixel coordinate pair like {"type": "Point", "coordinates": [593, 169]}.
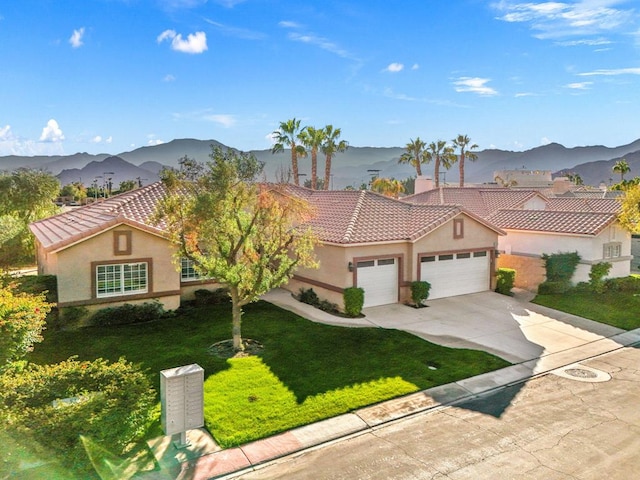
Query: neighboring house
{"type": "Point", "coordinates": [537, 225]}
{"type": "Point", "coordinates": [110, 253]}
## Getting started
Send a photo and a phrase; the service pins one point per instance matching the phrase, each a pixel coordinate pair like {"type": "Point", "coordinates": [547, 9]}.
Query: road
{"type": "Point", "coordinates": [549, 428]}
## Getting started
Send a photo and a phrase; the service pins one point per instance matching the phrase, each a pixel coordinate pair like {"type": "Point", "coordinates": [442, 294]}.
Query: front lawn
{"type": "Point", "coordinates": [306, 372]}
{"type": "Point", "coordinates": [619, 309]}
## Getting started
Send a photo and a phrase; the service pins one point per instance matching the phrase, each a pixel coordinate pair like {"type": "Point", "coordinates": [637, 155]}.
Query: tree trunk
{"type": "Point", "coordinates": [314, 168]}
{"type": "Point", "coordinates": [461, 161]}
{"type": "Point", "coordinates": [327, 172]}
{"type": "Point", "coordinates": [294, 165]}
{"type": "Point", "coordinates": [436, 171]}
{"type": "Point", "coordinates": [236, 315]}
{"type": "Point", "coordinates": [418, 167]}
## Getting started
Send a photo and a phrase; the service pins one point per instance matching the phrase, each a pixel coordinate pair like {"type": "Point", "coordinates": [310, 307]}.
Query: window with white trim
{"type": "Point", "coordinates": [121, 279]}
{"type": "Point", "coordinates": [612, 250]}
{"type": "Point", "coordinates": [188, 271]}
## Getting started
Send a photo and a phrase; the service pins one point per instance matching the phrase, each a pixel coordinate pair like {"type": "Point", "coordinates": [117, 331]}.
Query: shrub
{"type": "Point", "coordinates": [212, 297]}
{"type": "Point", "coordinates": [623, 284]}
{"type": "Point", "coordinates": [110, 403]}
{"type": "Point", "coordinates": [553, 288]}
{"type": "Point", "coordinates": [353, 301]}
{"type": "Point", "coordinates": [309, 297]}
{"type": "Point", "coordinates": [419, 292]}
{"type": "Point", "coordinates": [327, 306]}
{"type": "Point", "coordinates": [505, 279]}
{"type": "Point", "coordinates": [596, 276]}
{"type": "Point", "coordinates": [560, 267]}
{"type": "Point", "coordinates": [22, 319]}
{"type": "Point", "coordinates": [127, 314]}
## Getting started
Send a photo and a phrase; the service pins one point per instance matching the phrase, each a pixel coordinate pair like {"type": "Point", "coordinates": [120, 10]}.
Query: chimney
{"type": "Point", "coordinates": [423, 184]}
{"type": "Point", "coordinates": [561, 185]}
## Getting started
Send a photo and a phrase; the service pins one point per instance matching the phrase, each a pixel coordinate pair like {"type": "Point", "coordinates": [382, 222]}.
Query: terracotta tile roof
{"type": "Point", "coordinates": [343, 217]}
{"type": "Point", "coordinates": [577, 204]}
{"type": "Point", "coordinates": [346, 217]}
{"type": "Point", "coordinates": [133, 208]}
{"type": "Point", "coordinates": [567, 222]}
{"type": "Point", "coordinates": [481, 201]}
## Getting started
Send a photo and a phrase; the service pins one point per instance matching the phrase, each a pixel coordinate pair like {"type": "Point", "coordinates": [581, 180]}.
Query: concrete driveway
{"type": "Point", "coordinates": [509, 327]}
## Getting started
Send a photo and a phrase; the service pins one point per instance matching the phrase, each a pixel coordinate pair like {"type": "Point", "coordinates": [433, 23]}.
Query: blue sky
{"type": "Point", "coordinates": [114, 75]}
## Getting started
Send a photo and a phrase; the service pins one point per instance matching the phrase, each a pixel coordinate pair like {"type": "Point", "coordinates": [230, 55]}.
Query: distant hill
{"type": "Point", "coordinates": [114, 168]}
{"type": "Point", "coordinates": [592, 163]}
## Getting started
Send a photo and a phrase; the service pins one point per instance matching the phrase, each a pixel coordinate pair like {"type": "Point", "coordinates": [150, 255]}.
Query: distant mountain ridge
{"type": "Point", "coordinates": [355, 166]}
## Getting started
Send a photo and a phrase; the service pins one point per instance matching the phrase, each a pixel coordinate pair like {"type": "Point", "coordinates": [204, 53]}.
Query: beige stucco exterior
{"type": "Point", "coordinates": [334, 273]}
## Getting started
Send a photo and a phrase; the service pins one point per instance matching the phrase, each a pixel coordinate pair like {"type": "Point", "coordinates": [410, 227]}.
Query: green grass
{"type": "Point", "coordinates": [619, 309]}
{"type": "Point", "coordinates": [306, 372]}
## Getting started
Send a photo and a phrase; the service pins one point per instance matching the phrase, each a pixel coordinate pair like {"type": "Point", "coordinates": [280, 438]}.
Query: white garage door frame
{"type": "Point", "coordinates": [379, 278]}
{"type": "Point", "coordinates": [456, 273]}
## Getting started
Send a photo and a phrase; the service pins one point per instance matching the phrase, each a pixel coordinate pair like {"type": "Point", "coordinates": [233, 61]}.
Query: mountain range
{"type": "Point", "coordinates": [353, 167]}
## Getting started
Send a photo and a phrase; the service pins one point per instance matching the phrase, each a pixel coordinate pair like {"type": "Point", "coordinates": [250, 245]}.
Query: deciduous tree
{"type": "Point", "coordinates": [248, 236]}
{"type": "Point", "coordinates": [629, 214]}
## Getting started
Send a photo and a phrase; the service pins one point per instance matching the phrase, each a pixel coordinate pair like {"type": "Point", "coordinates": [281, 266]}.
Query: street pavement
{"type": "Point", "coordinates": [554, 427]}
{"type": "Point", "coordinates": [537, 340]}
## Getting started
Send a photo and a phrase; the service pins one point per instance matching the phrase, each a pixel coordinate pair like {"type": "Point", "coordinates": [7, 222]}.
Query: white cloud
{"type": "Point", "coordinates": [154, 141]}
{"type": "Point", "coordinates": [316, 40]}
{"type": "Point", "coordinates": [195, 42]}
{"type": "Point", "coordinates": [221, 119]}
{"type": "Point", "coordinates": [612, 72]}
{"type": "Point", "coordinates": [5, 133]}
{"type": "Point", "coordinates": [52, 132]}
{"type": "Point", "coordinates": [562, 19]}
{"type": "Point", "coordinates": [525, 94]}
{"type": "Point", "coordinates": [595, 42]}
{"type": "Point", "coordinates": [237, 32]}
{"type": "Point", "coordinates": [96, 139]}
{"type": "Point", "coordinates": [76, 38]}
{"type": "Point", "coordinates": [288, 24]}
{"type": "Point", "coordinates": [545, 141]}
{"type": "Point", "coordinates": [109, 139]}
{"type": "Point", "coordinates": [579, 85]}
{"type": "Point", "coordinates": [415, 66]}
{"type": "Point", "coordinates": [474, 85]}
{"type": "Point", "coordinates": [394, 67]}
{"type": "Point", "coordinates": [169, 78]}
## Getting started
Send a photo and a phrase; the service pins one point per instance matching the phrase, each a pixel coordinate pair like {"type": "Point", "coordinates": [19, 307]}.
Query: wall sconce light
{"type": "Point", "coordinates": [350, 266]}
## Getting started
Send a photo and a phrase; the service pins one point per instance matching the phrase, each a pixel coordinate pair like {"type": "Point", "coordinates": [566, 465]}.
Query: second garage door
{"type": "Point", "coordinates": [379, 279]}
{"type": "Point", "coordinates": [456, 273]}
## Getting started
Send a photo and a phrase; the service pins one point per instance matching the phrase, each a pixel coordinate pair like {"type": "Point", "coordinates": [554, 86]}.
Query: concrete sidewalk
{"type": "Point", "coordinates": [536, 339]}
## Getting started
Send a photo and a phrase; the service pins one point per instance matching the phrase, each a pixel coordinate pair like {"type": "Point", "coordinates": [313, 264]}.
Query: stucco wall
{"type": "Point", "coordinates": [75, 273]}
{"type": "Point", "coordinates": [334, 275]}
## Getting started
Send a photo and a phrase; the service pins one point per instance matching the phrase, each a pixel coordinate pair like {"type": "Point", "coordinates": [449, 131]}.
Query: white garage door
{"type": "Point", "coordinates": [379, 279]}
{"type": "Point", "coordinates": [456, 274]}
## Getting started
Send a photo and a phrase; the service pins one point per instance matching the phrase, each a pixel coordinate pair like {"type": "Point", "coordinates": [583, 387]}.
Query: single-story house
{"type": "Point", "coordinates": [110, 253]}
{"type": "Point", "coordinates": [536, 224]}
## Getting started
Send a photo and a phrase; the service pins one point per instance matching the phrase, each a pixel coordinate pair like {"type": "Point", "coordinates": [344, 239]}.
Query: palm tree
{"type": "Point", "coordinates": [415, 155]}
{"type": "Point", "coordinates": [462, 142]}
{"type": "Point", "coordinates": [441, 154]}
{"type": "Point", "coordinates": [313, 138]}
{"type": "Point", "coordinates": [286, 137]}
{"type": "Point", "coordinates": [389, 187]}
{"type": "Point", "coordinates": [621, 167]}
{"type": "Point", "coordinates": [329, 147]}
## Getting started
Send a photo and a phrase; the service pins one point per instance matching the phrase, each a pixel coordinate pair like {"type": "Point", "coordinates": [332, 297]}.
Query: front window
{"type": "Point", "coordinates": [612, 250]}
{"type": "Point", "coordinates": [121, 279]}
{"type": "Point", "coordinates": [187, 270]}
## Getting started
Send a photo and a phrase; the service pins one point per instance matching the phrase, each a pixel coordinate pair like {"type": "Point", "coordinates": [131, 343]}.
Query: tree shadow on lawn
{"type": "Point", "coordinates": [312, 359]}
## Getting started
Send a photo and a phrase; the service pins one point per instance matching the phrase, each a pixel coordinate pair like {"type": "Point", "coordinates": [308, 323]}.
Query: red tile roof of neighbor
{"type": "Point", "coordinates": [578, 204]}
{"type": "Point", "coordinates": [566, 222]}
{"type": "Point", "coordinates": [481, 201]}
{"type": "Point", "coordinates": [343, 217]}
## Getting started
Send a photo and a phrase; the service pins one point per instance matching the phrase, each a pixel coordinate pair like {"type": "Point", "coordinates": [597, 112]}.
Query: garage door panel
{"type": "Point", "coordinates": [379, 279]}
{"type": "Point", "coordinates": [456, 274]}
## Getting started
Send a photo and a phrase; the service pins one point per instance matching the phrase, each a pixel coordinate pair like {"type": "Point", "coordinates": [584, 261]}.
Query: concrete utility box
{"type": "Point", "coordinates": [182, 399]}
